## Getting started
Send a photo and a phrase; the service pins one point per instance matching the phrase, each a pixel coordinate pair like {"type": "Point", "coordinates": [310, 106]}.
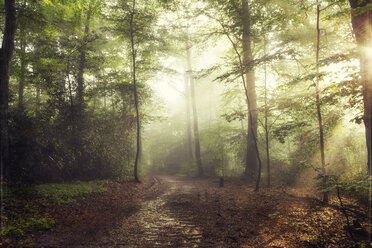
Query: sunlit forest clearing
{"type": "Point", "coordinates": [169, 123]}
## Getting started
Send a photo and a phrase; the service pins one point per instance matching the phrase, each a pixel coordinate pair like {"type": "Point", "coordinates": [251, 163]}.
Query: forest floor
{"type": "Point", "coordinates": [165, 211]}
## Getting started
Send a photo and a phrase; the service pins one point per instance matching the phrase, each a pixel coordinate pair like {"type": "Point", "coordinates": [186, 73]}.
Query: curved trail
{"type": "Point", "coordinates": [155, 225]}
{"type": "Point", "coordinates": [197, 213]}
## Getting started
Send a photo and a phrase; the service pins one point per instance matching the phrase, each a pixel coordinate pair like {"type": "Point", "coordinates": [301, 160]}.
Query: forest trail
{"type": "Point", "coordinates": [195, 212]}
{"type": "Point", "coordinates": [156, 225]}
{"type": "Point", "coordinates": [168, 211]}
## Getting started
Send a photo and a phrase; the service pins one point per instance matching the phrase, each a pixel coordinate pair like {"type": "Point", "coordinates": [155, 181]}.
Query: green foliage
{"type": "Point", "coordinates": [358, 187]}
{"type": "Point", "coordinates": [77, 127]}
{"type": "Point", "coordinates": [283, 131]}
{"type": "Point", "coordinates": [327, 183]}
{"type": "Point", "coordinates": [64, 47]}
{"type": "Point", "coordinates": [65, 193]}
{"type": "Point", "coordinates": [23, 205]}
{"type": "Point", "coordinates": [19, 227]}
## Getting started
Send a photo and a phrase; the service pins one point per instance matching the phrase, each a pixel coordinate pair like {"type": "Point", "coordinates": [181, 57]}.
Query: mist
{"type": "Point", "coordinates": [206, 123]}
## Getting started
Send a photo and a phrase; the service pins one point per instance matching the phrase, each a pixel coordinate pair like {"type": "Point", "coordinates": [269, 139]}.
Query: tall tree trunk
{"type": "Point", "coordinates": [195, 112]}
{"type": "Point", "coordinates": [70, 93]}
{"type": "Point", "coordinates": [251, 156]}
{"type": "Point", "coordinates": [22, 75]}
{"type": "Point", "coordinates": [135, 92]}
{"type": "Point", "coordinates": [188, 119]}
{"type": "Point", "coordinates": [79, 108]}
{"type": "Point", "coordinates": [37, 102]}
{"type": "Point", "coordinates": [6, 53]}
{"type": "Point", "coordinates": [82, 65]}
{"type": "Point", "coordinates": [318, 107]}
{"type": "Point", "coordinates": [37, 86]}
{"type": "Point", "coordinates": [248, 93]}
{"type": "Point", "coordinates": [266, 124]}
{"type": "Point", "coordinates": [362, 25]}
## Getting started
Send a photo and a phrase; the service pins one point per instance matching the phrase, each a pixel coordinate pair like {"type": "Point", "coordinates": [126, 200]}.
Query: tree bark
{"type": "Point", "coordinates": [37, 102]}
{"type": "Point", "coordinates": [82, 65]}
{"type": "Point", "coordinates": [22, 75]}
{"type": "Point", "coordinates": [190, 156]}
{"type": "Point", "coordinates": [251, 156]}
{"type": "Point", "coordinates": [318, 107]}
{"type": "Point", "coordinates": [195, 112]}
{"type": "Point", "coordinates": [37, 86]}
{"type": "Point", "coordinates": [266, 124]}
{"type": "Point", "coordinates": [6, 53]}
{"type": "Point", "coordinates": [70, 92]}
{"type": "Point", "coordinates": [23, 60]}
{"type": "Point", "coordinates": [135, 93]}
{"type": "Point", "coordinates": [362, 24]}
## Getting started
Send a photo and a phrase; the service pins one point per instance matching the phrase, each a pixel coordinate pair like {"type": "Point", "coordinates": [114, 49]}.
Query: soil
{"type": "Point", "coordinates": [165, 211]}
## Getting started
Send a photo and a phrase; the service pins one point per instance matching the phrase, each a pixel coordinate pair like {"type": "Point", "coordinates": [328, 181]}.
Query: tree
{"type": "Point", "coordinates": [194, 109]}
{"type": "Point", "coordinates": [318, 105]}
{"type": "Point", "coordinates": [135, 93]}
{"type": "Point", "coordinates": [134, 22]}
{"type": "Point", "coordinates": [23, 64]}
{"type": "Point", "coordinates": [188, 118]}
{"type": "Point", "coordinates": [362, 23]}
{"type": "Point", "coordinates": [251, 157]}
{"type": "Point", "coordinates": [185, 33]}
{"type": "Point", "coordinates": [266, 126]}
{"type": "Point", "coordinates": [6, 52]}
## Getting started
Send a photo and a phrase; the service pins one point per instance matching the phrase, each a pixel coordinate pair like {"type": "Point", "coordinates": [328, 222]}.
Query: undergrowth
{"type": "Point", "coordinates": [22, 209]}
{"type": "Point", "coordinates": [65, 193]}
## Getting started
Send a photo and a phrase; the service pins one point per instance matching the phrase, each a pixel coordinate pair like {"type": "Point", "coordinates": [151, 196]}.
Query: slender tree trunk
{"type": "Point", "coordinates": [79, 108]}
{"type": "Point", "coordinates": [188, 119]}
{"type": "Point", "coordinates": [22, 75]}
{"type": "Point", "coordinates": [113, 105]}
{"type": "Point", "coordinates": [72, 110]}
{"type": "Point", "coordinates": [37, 86]}
{"type": "Point", "coordinates": [251, 156]}
{"type": "Point", "coordinates": [69, 86]}
{"type": "Point", "coordinates": [82, 65]}
{"type": "Point", "coordinates": [318, 107]}
{"type": "Point", "coordinates": [266, 125]}
{"type": "Point", "coordinates": [21, 85]}
{"type": "Point", "coordinates": [6, 53]}
{"type": "Point", "coordinates": [362, 25]}
{"type": "Point", "coordinates": [132, 30]}
{"type": "Point", "coordinates": [37, 100]}
{"type": "Point", "coordinates": [194, 110]}
{"type": "Point", "coordinates": [104, 100]}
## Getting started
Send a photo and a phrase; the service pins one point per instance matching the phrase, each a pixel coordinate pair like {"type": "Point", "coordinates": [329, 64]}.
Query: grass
{"type": "Point", "coordinates": [22, 208]}
{"type": "Point", "coordinates": [19, 227]}
{"type": "Point", "coordinates": [67, 192]}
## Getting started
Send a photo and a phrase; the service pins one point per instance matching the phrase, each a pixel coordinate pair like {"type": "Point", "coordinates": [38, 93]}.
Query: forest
{"type": "Point", "coordinates": [194, 123]}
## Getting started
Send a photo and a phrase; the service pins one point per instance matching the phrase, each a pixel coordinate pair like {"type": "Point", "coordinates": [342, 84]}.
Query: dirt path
{"type": "Point", "coordinates": [181, 212]}
{"type": "Point", "coordinates": [197, 213]}
{"type": "Point", "coordinates": [156, 225]}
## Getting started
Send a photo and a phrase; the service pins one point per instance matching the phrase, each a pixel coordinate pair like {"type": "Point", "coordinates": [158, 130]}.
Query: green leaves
{"type": "Point", "coordinates": [286, 129]}
{"type": "Point", "coordinates": [64, 193]}
{"type": "Point", "coordinates": [359, 186]}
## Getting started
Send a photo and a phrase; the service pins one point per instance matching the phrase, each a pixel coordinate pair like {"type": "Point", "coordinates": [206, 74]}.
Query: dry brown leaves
{"type": "Point", "coordinates": [235, 216]}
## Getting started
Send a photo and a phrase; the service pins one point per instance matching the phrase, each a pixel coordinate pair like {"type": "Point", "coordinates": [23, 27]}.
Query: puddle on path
{"type": "Point", "coordinates": [154, 225]}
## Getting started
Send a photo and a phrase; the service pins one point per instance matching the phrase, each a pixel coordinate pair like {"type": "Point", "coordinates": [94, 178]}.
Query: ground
{"type": "Point", "coordinates": [165, 211]}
